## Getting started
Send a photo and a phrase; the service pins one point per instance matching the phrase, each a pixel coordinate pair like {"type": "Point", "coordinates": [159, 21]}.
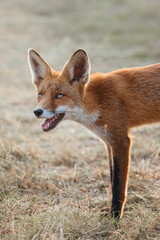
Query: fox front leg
{"type": "Point", "coordinates": [118, 154]}
{"type": "Point", "coordinates": [119, 174]}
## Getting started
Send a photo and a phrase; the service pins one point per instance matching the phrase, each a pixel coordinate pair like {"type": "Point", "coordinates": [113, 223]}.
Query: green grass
{"type": "Point", "coordinates": [53, 186]}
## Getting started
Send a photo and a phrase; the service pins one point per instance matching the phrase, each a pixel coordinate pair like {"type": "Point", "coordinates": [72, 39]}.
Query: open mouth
{"type": "Point", "coordinates": [51, 123]}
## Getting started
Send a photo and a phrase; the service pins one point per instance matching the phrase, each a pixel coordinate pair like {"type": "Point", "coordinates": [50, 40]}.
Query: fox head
{"type": "Point", "coordinates": [59, 94]}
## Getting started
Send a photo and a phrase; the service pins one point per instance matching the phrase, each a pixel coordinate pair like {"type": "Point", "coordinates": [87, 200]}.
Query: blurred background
{"type": "Point", "coordinates": [68, 167]}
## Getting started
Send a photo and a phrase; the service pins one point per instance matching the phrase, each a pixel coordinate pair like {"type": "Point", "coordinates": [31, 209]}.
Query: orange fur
{"type": "Point", "coordinates": [108, 104]}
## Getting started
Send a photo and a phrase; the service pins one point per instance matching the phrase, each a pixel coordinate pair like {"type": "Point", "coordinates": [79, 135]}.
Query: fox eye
{"type": "Point", "coordinates": [39, 95]}
{"type": "Point", "coordinates": [59, 96]}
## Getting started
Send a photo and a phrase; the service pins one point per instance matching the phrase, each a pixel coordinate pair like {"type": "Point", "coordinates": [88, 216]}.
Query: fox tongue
{"type": "Point", "coordinates": [46, 124]}
{"type": "Point", "coordinates": [51, 123]}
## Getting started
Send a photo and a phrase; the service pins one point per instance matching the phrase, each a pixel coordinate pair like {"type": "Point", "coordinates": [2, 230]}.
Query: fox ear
{"type": "Point", "coordinates": [79, 67]}
{"type": "Point", "coordinates": [38, 67]}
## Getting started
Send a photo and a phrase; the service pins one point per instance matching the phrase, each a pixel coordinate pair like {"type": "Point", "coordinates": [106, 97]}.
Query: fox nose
{"type": "Point", "coordinates": [38, 112]}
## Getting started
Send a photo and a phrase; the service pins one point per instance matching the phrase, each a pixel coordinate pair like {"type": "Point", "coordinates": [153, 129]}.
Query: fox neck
{"type": "Point", "coordinates": [89, 120]}
{"type": "Point", "coordinates": [80, 115]}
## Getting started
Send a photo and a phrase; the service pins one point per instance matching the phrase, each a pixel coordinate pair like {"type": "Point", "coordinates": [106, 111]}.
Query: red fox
{"type": "Point", "coordinates": [108, 104]}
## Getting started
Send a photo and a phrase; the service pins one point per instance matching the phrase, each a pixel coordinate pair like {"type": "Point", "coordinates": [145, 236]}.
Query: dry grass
{"type": "Point", "coordinates": [52, 186]}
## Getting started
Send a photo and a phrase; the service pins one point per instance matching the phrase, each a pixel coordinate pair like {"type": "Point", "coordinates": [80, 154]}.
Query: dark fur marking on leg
{"type": "Point", "coordinates": [116, 205]}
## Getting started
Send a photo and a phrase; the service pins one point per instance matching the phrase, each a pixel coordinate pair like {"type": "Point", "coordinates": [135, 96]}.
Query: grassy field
{"type": "Point", "coordinates": [53, 185]}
